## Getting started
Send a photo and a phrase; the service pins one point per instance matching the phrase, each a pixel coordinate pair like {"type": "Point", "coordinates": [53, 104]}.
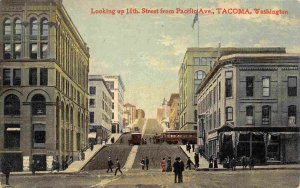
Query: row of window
{"type": "Point", "coordinates": [12, 136]}
{"type": "Point", "coordinates": [12, 77]}
{"type": "Point", "coordinates": [291, 86]}
{"type": "Point", "coordinates": [35, 28]}
{"type": "Point", "coordinates": [68, 89]}
{"type": "Point", "coordinates": [266, 116]}
{"type": "Point", "coordinates": [12, 105]}
{"type": "Point", "coordinates": [211, 98]}
{"type": "Point", "coordinates": [15, 51]}
{"type": "Point", "coordinates": [204, 61]}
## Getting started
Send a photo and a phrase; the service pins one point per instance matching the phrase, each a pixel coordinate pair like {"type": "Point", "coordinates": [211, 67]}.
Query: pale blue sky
{"type": "Point", "coordinates": [146, 50]}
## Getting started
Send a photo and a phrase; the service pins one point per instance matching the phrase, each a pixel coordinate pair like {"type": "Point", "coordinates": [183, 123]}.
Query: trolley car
{"type": "Point", "coordinates": [178, 136]}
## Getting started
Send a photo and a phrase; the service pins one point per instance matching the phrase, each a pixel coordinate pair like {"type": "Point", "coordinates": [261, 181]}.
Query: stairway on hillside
{"type": "Point", "coordinates": [153, 127]}
{"type": "Point", "coordinates": [155, 153]}
{"type": "Point", "coordinates": [115, 151]}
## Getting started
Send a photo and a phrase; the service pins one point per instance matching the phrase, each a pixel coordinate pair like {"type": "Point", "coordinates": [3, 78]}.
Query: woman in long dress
{"type": "Point", "coordinates": [163, 165]}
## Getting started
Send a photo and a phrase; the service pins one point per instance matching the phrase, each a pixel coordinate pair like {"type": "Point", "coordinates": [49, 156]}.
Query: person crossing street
{"type": "Point", "coordinates": [118, 168]}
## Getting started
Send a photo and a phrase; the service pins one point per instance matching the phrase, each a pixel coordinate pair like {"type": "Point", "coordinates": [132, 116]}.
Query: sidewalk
{"type": "Point", "coordinates": [260, 167]}
{"type": "Point", "coordinates": [76, 166]}
{"type": "Point", "coordinates": [203, 163]}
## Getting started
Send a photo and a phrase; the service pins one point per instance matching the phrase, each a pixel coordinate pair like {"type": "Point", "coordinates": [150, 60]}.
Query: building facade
{"type": "Point", "coordinates": [44, 66]}
{"type": "Point", "coordinates": [247, 106]}
{"type": "Point", "coordinates": [129, 114]}
{"type": "Point", "coordinates": [100, 109]}
{"type": "Point", "coordinates": [197, 62]}
{"type": "Point", "coordinates": [117, 89]}
{"type": "Point", "coordinates": [174, 111]}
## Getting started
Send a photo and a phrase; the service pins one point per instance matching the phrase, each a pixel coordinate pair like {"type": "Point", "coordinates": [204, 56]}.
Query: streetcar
{"type": "Point", "coordinates": [178, 136]}
{"type": "Point", "coordinates": [136, 138]}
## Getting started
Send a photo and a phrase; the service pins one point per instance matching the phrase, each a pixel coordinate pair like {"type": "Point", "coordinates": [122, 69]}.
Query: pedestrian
{"type": "Point", "coordinates": [210, 160]}
{"type": "Point", "coordinates": [6, 169]}
{"type": "Point", "coordinates": [118, 168]}
{"type": "Point", "coordinates": [189, 148]}
{"type": "Point", "coordinates": [150, 140]}
{"type": "Point", "coordinates": [193, 146]}
{"type": "Point", "coordinates": [82, 155]}
{"type": "Point", "coordinates": [169, 163]}
{"type": "Point", "coordinates": [33, 166]}
{"type": "Point", "coordinates": [176, 169]}
{"type": "Point", "coordinates": [163, 165]}
{"type": "Point", "coordinates": [109, 164]}
{"type": "Point", "coordinates": [251, 163]}
{"type": "Point", "coordinates": [147, 163]}
{"type": "Point", "coordinates": [233, 164]}
{"type": "Point", "coordinates": [180, 175]}
{"type": "Point", "coordinates": [188, 163]}
{"type": "Point", "coordinates": [92, 146]}
{"type": "Point", "coordinates": [121, 141]}
{"type": "Point", "coordinates": [244, 163]}
{"type": "Point", "coordinates": [215, 162]}
{"type": "Point", "coordinates": [143, 164]}
{"type": "Point", "coordinates": [196, 158]}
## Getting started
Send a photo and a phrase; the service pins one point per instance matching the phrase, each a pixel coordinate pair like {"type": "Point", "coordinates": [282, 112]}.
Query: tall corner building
{"type": "Point", "coordinates": [197, 62]}
{"type": "Point", "coordinates": [44, 65]}
{"type": "Point", "coordinates": [117, 89]}
{"type": "Point", "coordinates": [248, 105]}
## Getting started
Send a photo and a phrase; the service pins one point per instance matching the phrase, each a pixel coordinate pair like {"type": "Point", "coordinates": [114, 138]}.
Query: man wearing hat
{"type": "Point", "coordinates": [177, 169]}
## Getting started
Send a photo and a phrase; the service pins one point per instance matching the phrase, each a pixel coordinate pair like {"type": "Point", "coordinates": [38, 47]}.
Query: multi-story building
{"type": "Point", "coordinates": [100, 104]}
{"type": "Point", "coordinates": [248, 105]}
{"type": "Point", "coordinates": [129, 113]}
{"type": "Point", "coordinates": [174, 111]}
{"type": "Point", "coordinates": [44, 65]}
{"type": "Point", "coordinates": [197, 62]}
{"type": "Point", "coordinates": [117, 89]}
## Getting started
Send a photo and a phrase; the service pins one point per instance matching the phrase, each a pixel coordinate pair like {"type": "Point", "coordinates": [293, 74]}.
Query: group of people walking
{"type": "Point", "coordinates": [231, 162]}
{"type": "Point", "coordinates": [110, 166]}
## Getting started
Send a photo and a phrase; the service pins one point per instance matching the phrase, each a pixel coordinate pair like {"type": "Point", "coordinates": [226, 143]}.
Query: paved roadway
{"type": "Point", "coordinates": [155, 178]}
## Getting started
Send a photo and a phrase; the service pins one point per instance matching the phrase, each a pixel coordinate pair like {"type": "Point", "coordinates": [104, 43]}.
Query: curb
{"type": "Point", "coordinates": [271, 168]}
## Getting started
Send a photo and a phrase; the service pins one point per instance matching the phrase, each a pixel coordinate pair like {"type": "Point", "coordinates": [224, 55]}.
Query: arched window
{"type": "Point", "coordinates": [292, 114]}
{"type": "Point", "coordinates": [7, 27]}
{"type": "Point", "coordinates": [17, 27]}
{"type": "Point", "coordinates": [38, 105]}
{"type": "Point", "coordinates": [33, 27]}
{"type": "Point", "coordinates": [199, 76]}
{"type": "Point", "coordinates": [11, 105]}
{"type": "Point", "coordinates": [44, 27]}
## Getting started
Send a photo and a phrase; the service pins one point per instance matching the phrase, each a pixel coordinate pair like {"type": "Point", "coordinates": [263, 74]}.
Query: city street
{"type": "Point", "coordinates": [154, 178]}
